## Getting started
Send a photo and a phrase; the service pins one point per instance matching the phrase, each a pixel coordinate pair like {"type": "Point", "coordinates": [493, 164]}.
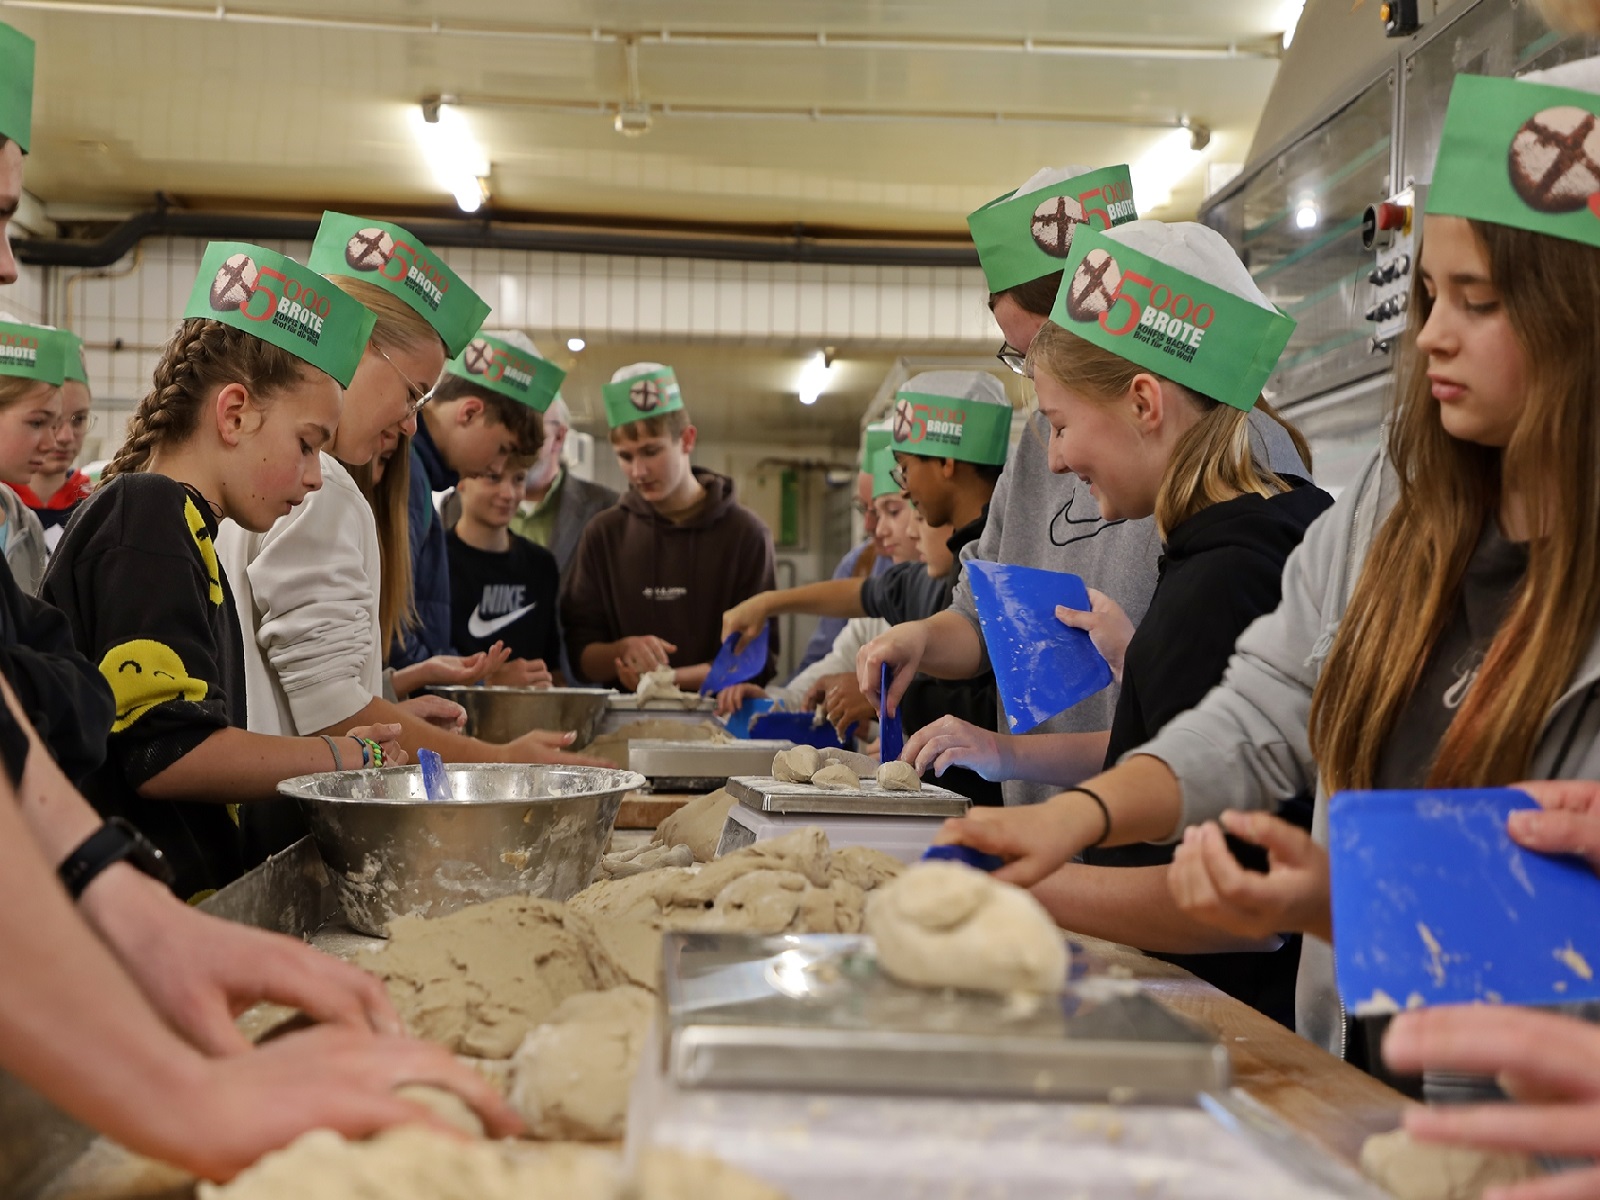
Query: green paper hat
{"type": "Point", "coordinates": [1168, 321]}
{"type": "Point", "coordinates": [637, 397]}
{"type": "Point", "coordinates": [874, 438]}
{"type": "Point", "coordinates": [388, 256]}
{"type": "Point", "coordinates": [75, 373]}
{"type": "Point", "coordinates": [932, 423]}
{"type": "Point", "coordinates": [1023, 238]}
{"type": "Point", "coordinates": [883, 483]}
{"type": "Point", "coordinates": [284, 304]}
{"type": "Point", "coordinates": [16, 86]}
{"type": "Point", "coordinates": [1521, 154]}
{"type": "Point", "coordinates": [34, 352]}
{"type": "Point", "coordinates": [510, 370]}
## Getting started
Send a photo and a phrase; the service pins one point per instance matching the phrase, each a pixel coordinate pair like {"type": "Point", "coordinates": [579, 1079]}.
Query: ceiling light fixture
{"type": "Point", "coordinates": [1307, 215]}
{"type": "Point", "coordinates": [576, 344]}
{"type": "Point", "coordinates": [459, 164]}
{"type": "Point", "coordinates": [633, 114]}
{"type": "Point", "coordinates": [814, 377]}
{"type": "Point", "coordinates": [1168, 161]}
{"type": "Point", "coordinates": [1288, 19]}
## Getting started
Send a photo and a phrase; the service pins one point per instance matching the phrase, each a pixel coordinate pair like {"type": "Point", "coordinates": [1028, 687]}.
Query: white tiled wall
{"type": "Point", "coordinates": [25, 299]}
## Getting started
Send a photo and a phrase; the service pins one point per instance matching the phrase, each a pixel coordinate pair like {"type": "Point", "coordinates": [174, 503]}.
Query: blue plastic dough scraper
{"type": "Point", "coordinates": [435, 781]}
{"type": "Point", "coordinates": [891, 734]}
{"type": "Point", "coordinates": [733, 666]}
{"type": "Point", "coordinates": [1042, 667]}
{"type": "Point", "coordinates": [1433, 903]}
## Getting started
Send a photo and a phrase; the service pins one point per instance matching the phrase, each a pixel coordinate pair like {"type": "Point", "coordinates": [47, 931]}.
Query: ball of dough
{"type": "Point", "coordinates": [1414, 1170]}
{"type": "Point", "coordinates": [947, 925]}
{"type": "Point", "coordinates": [836, 777]}
{"type": "Point", "coordinates": [899, 776]}
{"type": "Point", "coordinates": [796, 765]}
{"type": "Point", "coordinates": [571, 1077]}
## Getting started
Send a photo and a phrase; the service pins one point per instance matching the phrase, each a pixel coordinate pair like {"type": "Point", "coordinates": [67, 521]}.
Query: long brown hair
{"type": "Point", "coordinates": [1449, 491]}
{"type": "Point", "coordinates": [1211, 462]}
{"type": "Point", "coordinates": [389, 496]}
{"type": "Point", "coordinates": [14, 389]}
{"type": "Point", "coordinates": [201, 357]}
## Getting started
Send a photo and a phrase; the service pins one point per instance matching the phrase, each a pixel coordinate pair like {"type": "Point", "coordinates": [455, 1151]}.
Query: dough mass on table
{"type": "Point", "coordinates": [1412, 1170]}
{"type": "Point", "coordinates": [570, 1077]}
{"type": "Point", "coordinates": [948, 925]}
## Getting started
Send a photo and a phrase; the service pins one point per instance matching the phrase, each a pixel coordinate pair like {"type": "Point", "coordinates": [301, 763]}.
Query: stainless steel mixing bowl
{"type": "Point", "coordinates": [503, 714]}
{"type": "Point", "coordinates": [511, 830]}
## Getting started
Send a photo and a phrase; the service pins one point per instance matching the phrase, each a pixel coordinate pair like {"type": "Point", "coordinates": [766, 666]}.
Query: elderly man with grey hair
{"type": "Point", "coordinates": [558, 504]}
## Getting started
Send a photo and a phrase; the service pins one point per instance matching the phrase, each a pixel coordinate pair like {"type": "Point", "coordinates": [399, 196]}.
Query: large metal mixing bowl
{"type": "Point", "coordinates": [511, 830]}
{"type": "Point", "coordinates": [503, 714]}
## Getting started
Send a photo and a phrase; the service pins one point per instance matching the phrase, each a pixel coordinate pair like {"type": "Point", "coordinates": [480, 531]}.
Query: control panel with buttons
{"type": "Point", "coordinates": [1389, 231]}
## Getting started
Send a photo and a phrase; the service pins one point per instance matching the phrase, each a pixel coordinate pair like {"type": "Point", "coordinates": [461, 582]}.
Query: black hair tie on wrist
{"type": "Point", "coordinates": [1105, 814]}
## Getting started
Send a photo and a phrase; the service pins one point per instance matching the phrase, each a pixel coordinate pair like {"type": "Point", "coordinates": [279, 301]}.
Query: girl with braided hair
{"type": "Point", "coordinates": [232, 428]}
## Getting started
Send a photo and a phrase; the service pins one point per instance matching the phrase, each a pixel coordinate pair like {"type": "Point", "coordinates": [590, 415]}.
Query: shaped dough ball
{"type": "Point", "coordinates": [836, 777]}
{"type": "Point", "coordinates": [946, 925]}
{"type": "Point", "coordinates": [1414, 1170]}
{"type": "Point", "coordinates": [899, 777]}
{"type": "Point", "coordinates": [797, 765]}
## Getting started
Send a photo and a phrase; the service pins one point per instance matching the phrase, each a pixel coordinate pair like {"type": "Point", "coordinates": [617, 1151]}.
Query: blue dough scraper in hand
{"type": "Point", "coordinates": [1041, 666]}
{"type": "Point", "coordinates": [741, 666]}
{"type": "Point", "coordinates": [1433, 903]}
{"type": "Point", "coordinates": [435, 782]}
{"type": "Point", "coordinates": [963, 854]}
{"type": "Point", "coordinates": [891, 736]}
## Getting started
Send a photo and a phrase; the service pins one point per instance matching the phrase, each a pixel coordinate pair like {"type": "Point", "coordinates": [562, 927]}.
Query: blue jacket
{"type": "Point", "coordinates": [430, 560]}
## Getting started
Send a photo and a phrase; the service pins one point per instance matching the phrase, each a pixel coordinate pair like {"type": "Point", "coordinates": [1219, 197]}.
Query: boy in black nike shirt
{"type": "Point", "coordinates": [503, 588]}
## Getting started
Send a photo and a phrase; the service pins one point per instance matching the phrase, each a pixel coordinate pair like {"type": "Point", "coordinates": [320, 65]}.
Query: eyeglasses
{"type": "Point", "coordinates": [417, 395]}
{"type": "Point", "coordinates": [898, 474]}
{"type": "Point", "coordinates": [1012, 357]}
{"type": "Point", "coordinates": [79, 422]}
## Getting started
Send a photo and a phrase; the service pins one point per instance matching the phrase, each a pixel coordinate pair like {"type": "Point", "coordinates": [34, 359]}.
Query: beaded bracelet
{"type": "Point", "coordinates": [371, 752]}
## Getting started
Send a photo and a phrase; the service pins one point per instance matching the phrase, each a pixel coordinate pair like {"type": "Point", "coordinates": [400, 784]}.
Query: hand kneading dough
{"type": "Point", "coordinates": [446, 1105]}
{"type": "Point", "coordinates": [419, 1164]}
{"type": "Point", "coordinates": [836, 777]}
{"type": "Point", "coordinates": [797, 765]}
{"type": "Point", "coordinates": [478, 980]}
{"type": "Point", "coordinates": [571, 1077]}
{"type": "Point", "coordinates": [946, 925]}
{"type": "Point", "coordinates": [1427, 1171]}
{"type": "Point", "coordinates": [899, 776]}
{"type": "Point", "coordinates": [698, 825]}
{"type": "Point", "coordinates": [671, 1175]}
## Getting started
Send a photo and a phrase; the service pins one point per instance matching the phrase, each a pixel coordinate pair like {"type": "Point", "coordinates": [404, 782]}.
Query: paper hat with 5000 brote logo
{"type": "Point", "coordinates": [289, 306]}
{"type": "Point", "coordinates": [389, 257]}
{"type": "Point", "coordinates": [502, 365]}
{"type": "Point", "coordinates": [1524, 152]}
{"type": "Point", "coordinates": [1027, 234]}
{"type": "Point", "coordinates": [16, 86]}
{"type": "Point", "coordinates": [1176, 300]}
{"type": "Point", "coordinates": [965, 415]}
{"type": "Point", "coordinates": [639, 392]}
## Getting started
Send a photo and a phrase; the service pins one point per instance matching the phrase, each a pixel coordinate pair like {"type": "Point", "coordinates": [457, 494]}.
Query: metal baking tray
{"type": "Point", "coordinates": [691, 766]}
{"type": "Point", "coordinates": [768, 795]}
{"type": "Point", "coordinates": [814, 1012]}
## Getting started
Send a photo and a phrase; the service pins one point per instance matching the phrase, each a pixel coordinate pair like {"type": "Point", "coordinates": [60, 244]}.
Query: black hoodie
{"type": "Point", "coordinates": [636, 573]}
{"type": "Point", "coordinates": [1220, 570]}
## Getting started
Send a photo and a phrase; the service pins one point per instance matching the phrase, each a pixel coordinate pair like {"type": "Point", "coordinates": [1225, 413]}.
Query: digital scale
{"type": "Point", "coordinates": [700, 766]}
{"type": "Point", "coordinates": [901, 824]}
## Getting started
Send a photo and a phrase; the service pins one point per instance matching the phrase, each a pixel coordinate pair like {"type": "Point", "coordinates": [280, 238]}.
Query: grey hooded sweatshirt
{"type": "Point", "coordinates": [1040, 519]}
{"type": "Point", "coordinates": [1246, 744]}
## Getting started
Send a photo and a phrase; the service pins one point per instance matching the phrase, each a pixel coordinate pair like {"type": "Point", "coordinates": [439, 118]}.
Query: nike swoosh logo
{"type": "Point", "coordinates": [480, 628]}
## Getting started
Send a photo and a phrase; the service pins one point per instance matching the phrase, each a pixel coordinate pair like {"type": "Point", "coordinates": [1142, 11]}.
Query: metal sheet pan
{"type": "Point", "coordinates": [765, 794]}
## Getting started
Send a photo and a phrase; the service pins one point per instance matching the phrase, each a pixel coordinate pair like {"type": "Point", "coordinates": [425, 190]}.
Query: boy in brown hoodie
{"type": "Point", "coordinates": [653, 575]}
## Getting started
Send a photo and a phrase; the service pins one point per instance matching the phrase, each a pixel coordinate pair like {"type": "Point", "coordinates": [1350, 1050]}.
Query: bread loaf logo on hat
{"type": "Point", "coordinates": [1094, 287]}
{"type": "Point", "coordinates": [904, 421]}
{"type": "Point", "coordinates": [645, 395]}
{"type": "Point", "coordinates": [1555, 160]}
{"type": "Point", "coordinates": [477, 357]}
{"type": "Point", "coordinates": [369, 250]}
{"type": "Point", "coordinates": [1054, 222]}
{"type": "Point", "coordinates": [234, 283]}
{"type": "Point", "coordinates": [373, 250]}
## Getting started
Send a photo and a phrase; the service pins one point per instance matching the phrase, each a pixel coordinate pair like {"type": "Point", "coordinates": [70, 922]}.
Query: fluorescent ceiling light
{"type": "Point", "coordinates": [576, 344]}
{"type": "Point", "coordinates": [1288, 19]}
{"type": "Point", "coordinates": [814, 378]}
{"type": "Point", "coordinates": [458, 163]}
{"type": "Point", "coordinates": [1162, 167]}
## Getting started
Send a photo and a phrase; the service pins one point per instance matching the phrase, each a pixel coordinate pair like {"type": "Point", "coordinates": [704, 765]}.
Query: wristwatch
{"type": "Point", "coordinates": [115, 841]}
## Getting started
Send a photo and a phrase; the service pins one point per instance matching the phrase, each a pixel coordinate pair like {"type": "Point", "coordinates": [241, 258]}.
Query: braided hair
{"type": "Point", "coordinates": [201, 357]}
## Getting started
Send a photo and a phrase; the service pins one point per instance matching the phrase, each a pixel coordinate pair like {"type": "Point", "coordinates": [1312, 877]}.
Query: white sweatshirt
{"type": "Point", "coordinates": [307, 594]}
{"type": "Point", "coordinates": [857, 632]}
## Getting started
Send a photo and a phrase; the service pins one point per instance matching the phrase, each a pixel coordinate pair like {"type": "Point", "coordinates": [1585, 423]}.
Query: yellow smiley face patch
{"type": "Point", "coordinates": [144, 674]}
{"type": "Point", "coordinates": [208, 549]}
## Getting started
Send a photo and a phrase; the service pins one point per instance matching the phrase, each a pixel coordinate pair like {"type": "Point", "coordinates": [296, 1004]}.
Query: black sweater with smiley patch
{"type": "Point", "coordinates": [136, 575]}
